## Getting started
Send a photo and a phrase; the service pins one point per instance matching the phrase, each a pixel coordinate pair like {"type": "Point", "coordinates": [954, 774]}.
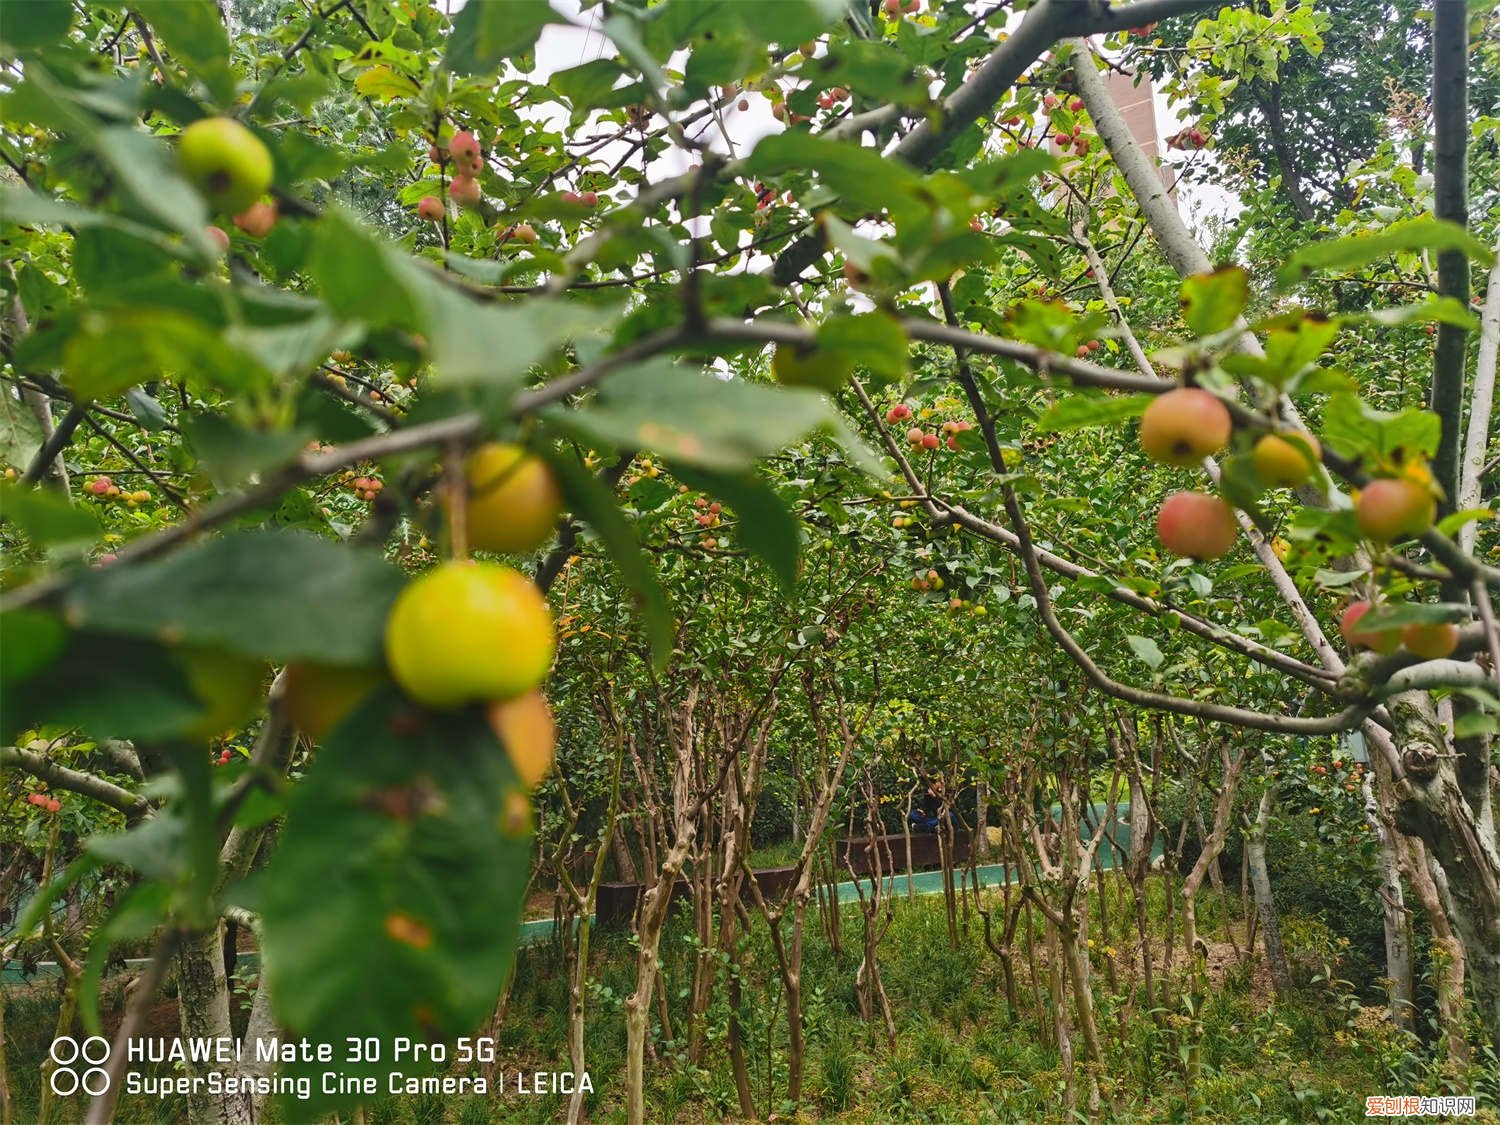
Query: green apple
{"type": "Point", "coordinates": [226, 162]}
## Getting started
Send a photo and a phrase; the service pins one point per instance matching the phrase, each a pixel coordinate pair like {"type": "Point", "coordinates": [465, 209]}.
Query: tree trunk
{"type": "Point", "coordinates": [1265, 903]}
{"type": "Point", "coordinates": [203, 1002]}
{"type": "Point", "coordinates": [1447, 952]}
{"type": "Point", "coordinates": [1457, 825]}
{"type": "Point", "coordinates": [981, 819]}
{"type": "Point", "coordinates": [1398, 956]}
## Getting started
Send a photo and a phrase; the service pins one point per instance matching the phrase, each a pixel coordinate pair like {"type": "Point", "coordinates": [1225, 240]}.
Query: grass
{"type": "Point", "coordinates": [959, 1054]}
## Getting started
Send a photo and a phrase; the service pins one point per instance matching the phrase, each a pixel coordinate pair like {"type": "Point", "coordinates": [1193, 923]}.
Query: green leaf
{"type": "Point", "coordinates": [46, 516]}
{"type": "Point", "coordinates": [589, 84]}
{"type": "Point", "coordinates": [1388, 615]}
{"type": "Point", "coordinates": [35, 23]}
{"type": "Point", "coordinates": [407, 830]}
{"type": "Point", "coordinates": [144, 695]}
{"type": "Point", "coordinates": [479, 342]}
{"type": "Point", "coordinates": [878, 69]}
{"type": "Point", "coordinates": [152, 849]}
{"type": "Point", "coordinates": [1077, 412]}
{"type": "Point", "coordinates": [1356, 250]}
{"type": "Point", "coordinates": [1434, 310]}
{"type": "Point", "coordinates": [591, 502]}
{"type": "Point", "coordinates": [113, 349]}
{"type": "Point", "coordinates": [1211, 302]}
{"type": "Point", "coordinates": [863, 178]}
{"type": "Point", "coordinates": [763, 522]}
{"type": "Point", "coordinates": [359, 275]}
{"type": "Point", "coordinates": [1452, 522]}
{"type": "Point", "coordinates": [140, 165]}
{"type": "Point", "coordinates": [1291, 349]}
{"type": "Point", "coordinates": [20, 432]}
{"type": "Point", "coordinates": [487, 32]}
{"type": "Point", "coordinates": [193, 31]}
{"type": "Point", "coordinates": [386, 84]}
{"type": "Point", "coordinates": [1146, 651]}
{"type": "Point", "coordinates": [698, 419]}
{"type": "Point", "coordinates": [232, 454]}
{"type": "Point", "coordinates": [1337, 579]}
{"type": "Point", "coordinates": [278, 595]}
{"type": "Point", "coordinates": [1352, 429]}
{"type": "Point", "coordinates": [290, 349]}
{"type": "Point", "coordinates": [623, 32]}
{"type": "Point", "coordinates": [33, 639]}
{"type": "Point", "coordinates": [1475, 724]}
{"type": "Point", "coordinates": [873, 341]}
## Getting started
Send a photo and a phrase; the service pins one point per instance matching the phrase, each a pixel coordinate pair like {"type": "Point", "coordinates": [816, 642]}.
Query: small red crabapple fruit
{"type": "Point", "coordinates": [219, 238]}
{"type": "Point", "coordinates": [431, 208]}
{"type": "Point", "coordinates": [258, 219]}
{"type": "Point", "coordinates": [931, 441]}
{"type": "Point", "coordinates": [914, 437]}
{"type": "Point", "coordinates": [589, 198]}
{"type": "Point", "coordinates": [464, 190]}
{"type": "Point", "coordinates": [464, 145]}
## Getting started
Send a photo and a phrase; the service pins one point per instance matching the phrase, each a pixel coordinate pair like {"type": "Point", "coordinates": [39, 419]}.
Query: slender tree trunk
{"type": "Point", "coordinates": [1447, 951]}
{"type": "Point", "coordinates": [1055, 992]}
{"type": "Point", "coordinates": [1265, 903]}
{"type": "Point", "coordinates": [203, 1002]}
{"type": "Point", "coordinates": [1398, 954]}
{"type": "Point", "coordinates": [981, 819]}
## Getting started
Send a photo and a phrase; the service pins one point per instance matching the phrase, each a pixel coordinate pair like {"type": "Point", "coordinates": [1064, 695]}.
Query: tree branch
{"type": "Point", "coordinates": [133, 805]}
{"type": "Point", "coordinates": [56, 442]}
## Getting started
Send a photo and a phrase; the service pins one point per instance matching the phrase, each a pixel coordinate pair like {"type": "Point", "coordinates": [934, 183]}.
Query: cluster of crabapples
{"type": "Point", "coordinates": [1189, 137]}
{"type": "Point", "coordinates": [44, 802]}
{"type": "Point", "coordinates": [366, 488]}
{"type": "Point", "coordinates": [707, 514]}
{"type": "Point", "coordinates": [466, 158]}
{"type": "Point", "coordinates": [466, 633]}
{"type": "Point", "coordinates": [102, 488]}
{"type": "Point", "coordinates": [224, 757]}
{"type": "Point", "coordinates": [232, 169]}
{"type": "Point", "coordinates": [918, 438]}
{"type": "Point", "coordinates": [1428, 641]}
{"type": "Point", "coordinates": [1186, 425]}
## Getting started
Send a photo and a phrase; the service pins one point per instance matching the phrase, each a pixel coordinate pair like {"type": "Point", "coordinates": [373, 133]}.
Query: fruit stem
{"type": "Point", "coordinates": [457, 496]}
